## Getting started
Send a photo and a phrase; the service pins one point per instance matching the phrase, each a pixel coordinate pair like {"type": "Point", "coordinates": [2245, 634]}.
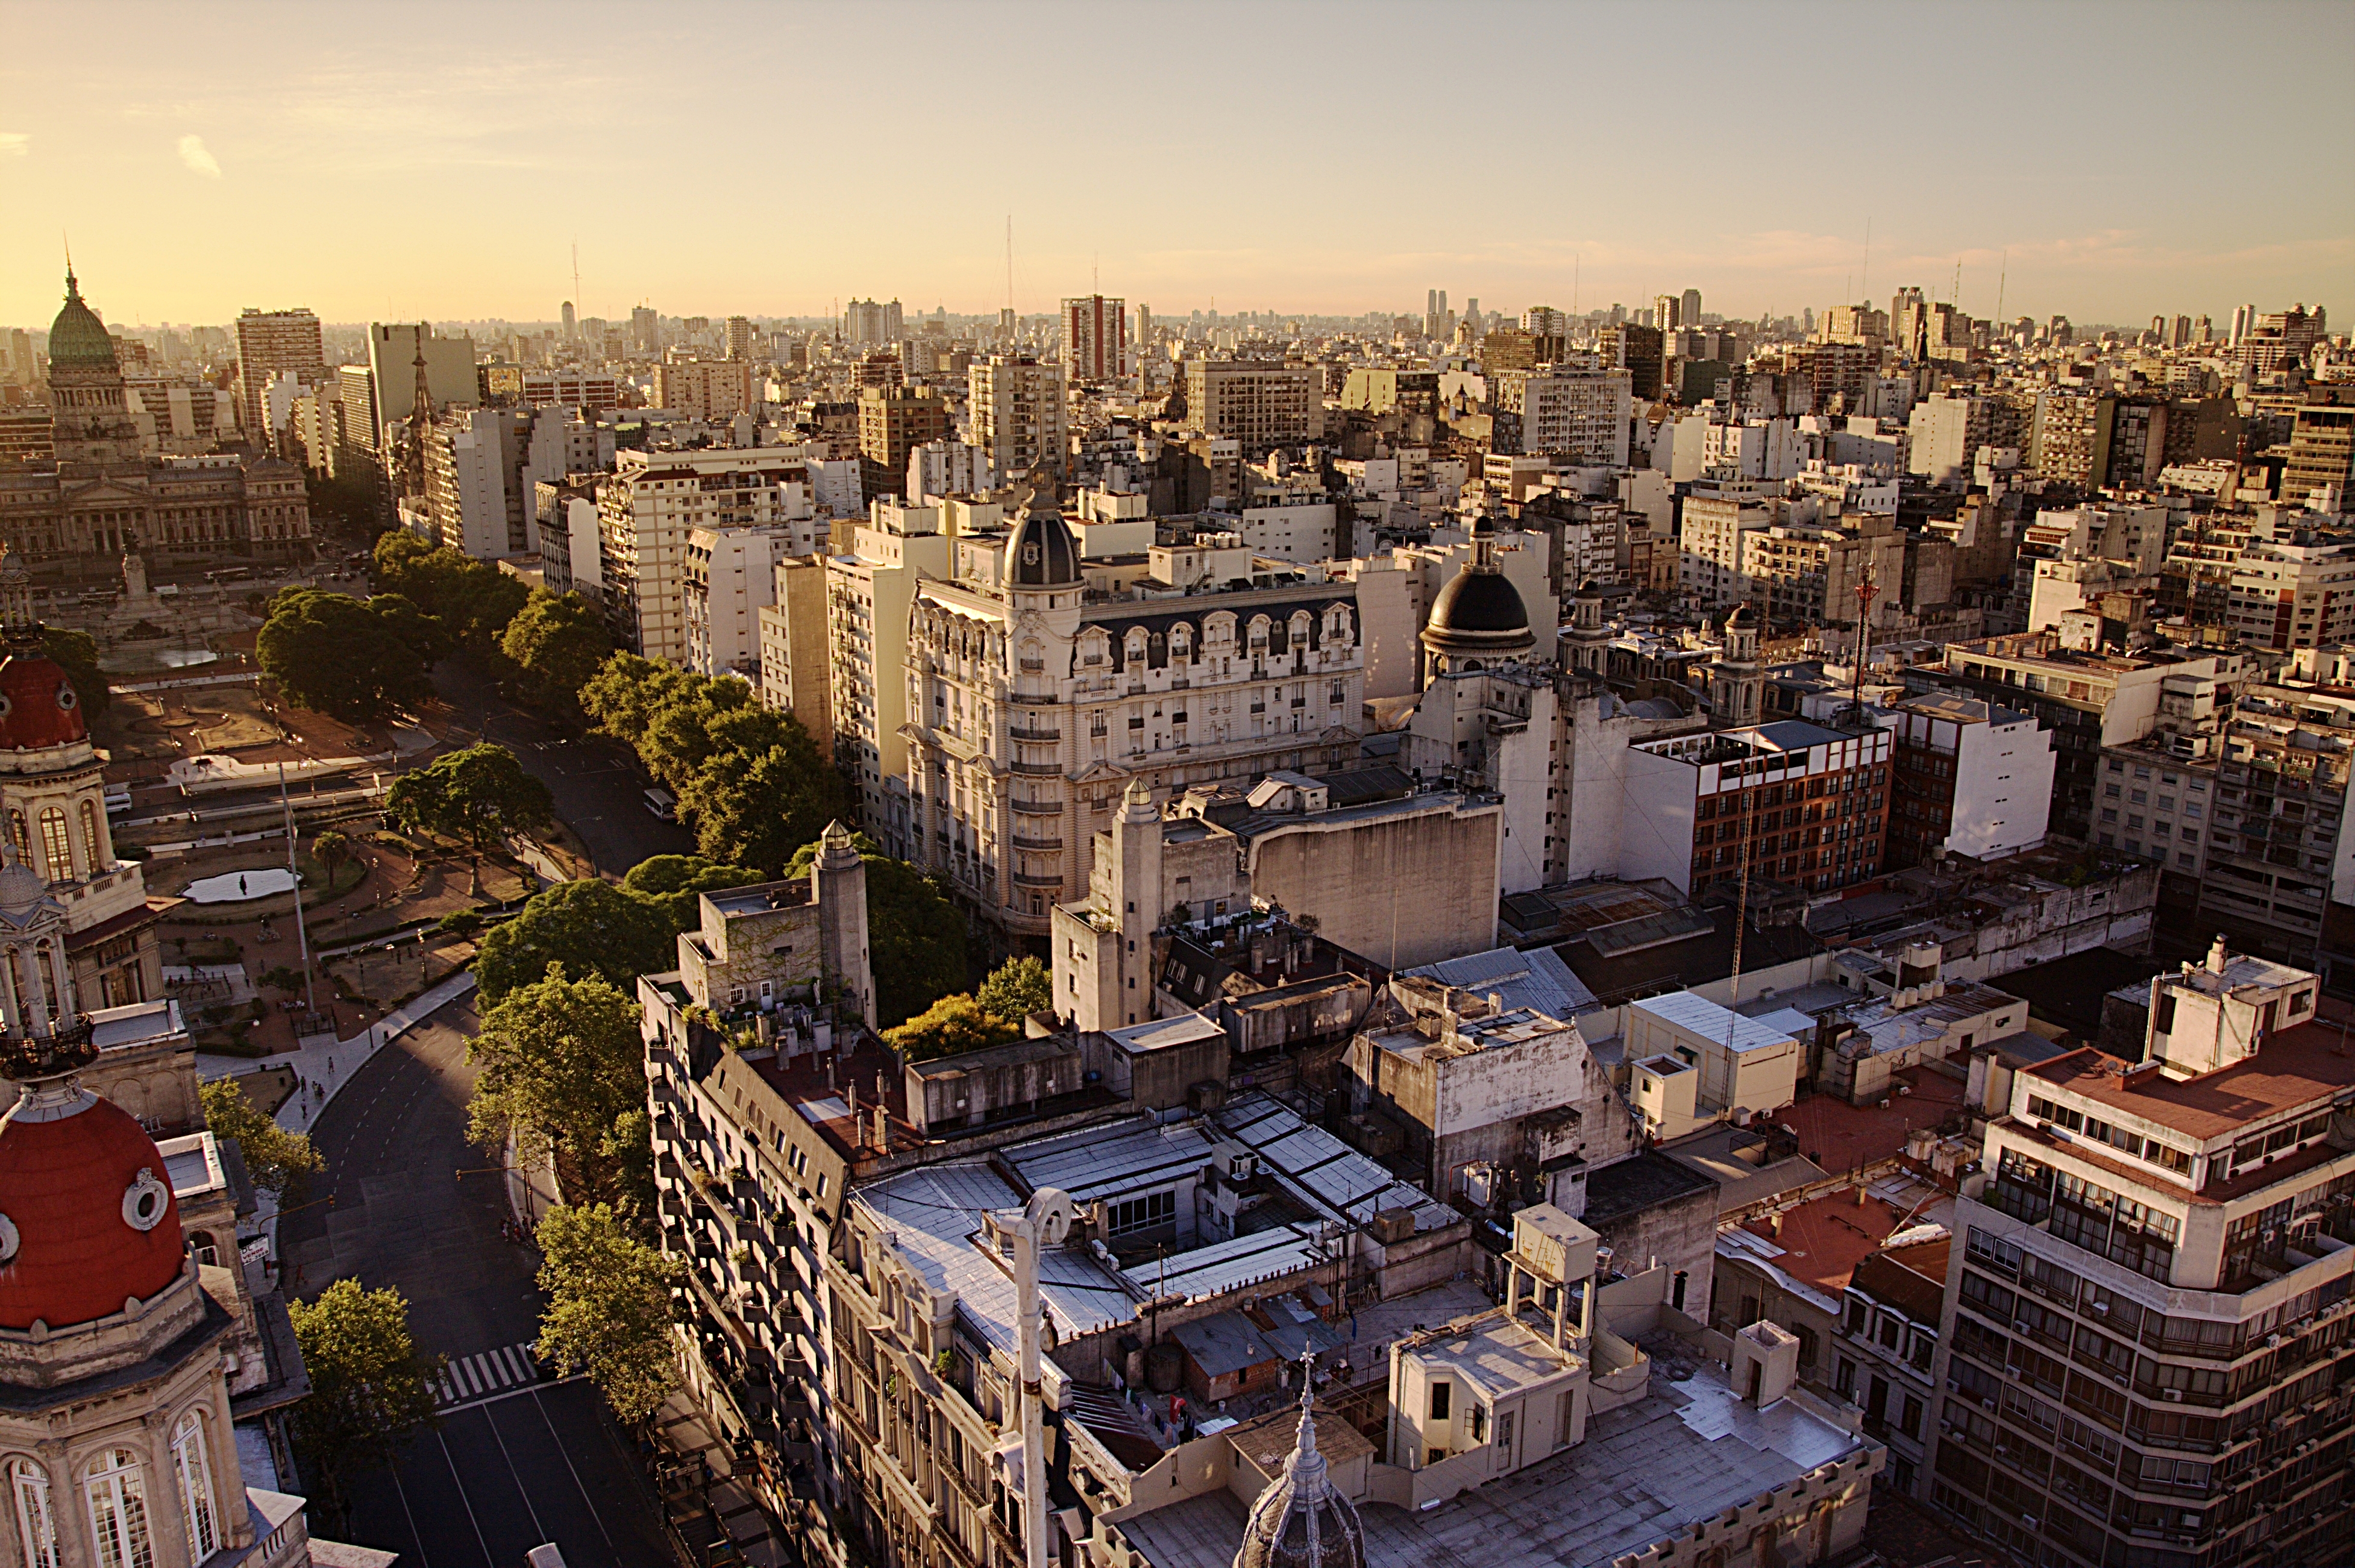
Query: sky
{"type": "Point", "coordinates": [2107, 161]}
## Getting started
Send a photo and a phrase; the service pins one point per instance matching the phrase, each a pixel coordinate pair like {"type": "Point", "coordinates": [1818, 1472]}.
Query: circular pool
{"type": "Point", "coordinates": [237, 887]}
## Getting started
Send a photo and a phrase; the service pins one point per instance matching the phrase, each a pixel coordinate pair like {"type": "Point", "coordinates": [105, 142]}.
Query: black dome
{"type": "Point", "coordinates": [1041, 553]}
{"type": "Point", "coordinates": [1478, 613]}
{"type": "Point", "coordinates": [1743, 616]}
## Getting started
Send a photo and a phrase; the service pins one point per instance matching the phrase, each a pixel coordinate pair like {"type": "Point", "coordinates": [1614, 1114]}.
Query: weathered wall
{"type": "Point", "coordinates": [1399, 890]}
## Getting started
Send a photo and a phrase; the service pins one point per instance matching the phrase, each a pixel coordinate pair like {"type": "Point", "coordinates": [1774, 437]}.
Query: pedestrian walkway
{"type": "Point", "coordinates": [461, 1380]}
{"type": "Point", "coordinates": [325, 1063]}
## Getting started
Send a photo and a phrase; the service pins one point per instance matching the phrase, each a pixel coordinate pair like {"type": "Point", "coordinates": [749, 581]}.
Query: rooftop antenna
{"type": "Point", "coordinates": [580, 309]}
{"type": "Point", "coordinates": [1573, 284]}
{"type": "Point", "coordinates": [1955, 299]}
{"type": "Point", "coordinates": [1010, 260]}
{"type": "Point", "coordinates": [1864, 278]}
{"type": "Point", "coordinates": [2003, 276]}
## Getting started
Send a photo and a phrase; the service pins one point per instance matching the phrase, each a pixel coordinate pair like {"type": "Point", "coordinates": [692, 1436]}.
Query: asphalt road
{"type": "Point", "coordinates": [515, 1457]}
{"type": "Point", "coordinates": [599, 789]}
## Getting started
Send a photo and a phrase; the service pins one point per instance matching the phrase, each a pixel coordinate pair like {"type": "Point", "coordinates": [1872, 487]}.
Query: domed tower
{"type": "Point", "coordinates": [1300, 1521]}
{"type": "Point", "coordinates": [1588, 636]}
{"type": "Point", "coordinates": [1477, 621]}
{"type": "Point", "coordinates": [92, 420]}
{"type": "Point", "coordinates": [1042, 556]}
{"type": "Point", "coordinates": [1737, 686]}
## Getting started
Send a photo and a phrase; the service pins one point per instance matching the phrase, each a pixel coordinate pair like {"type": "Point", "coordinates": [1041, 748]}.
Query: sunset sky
{"type": "Point", "coordinates": [2107, 161]}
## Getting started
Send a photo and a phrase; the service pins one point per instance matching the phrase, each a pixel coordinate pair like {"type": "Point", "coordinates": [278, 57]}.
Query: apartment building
{"type": "Point", "coordinates": [1788, 800]}
{"type": "Point", "coordinates": [796, 675]}
{"type": "Point", "coordinates": [892, 422]}
{"type": "Point", "coordinates": [714, 391]}
{"type": "Point", "coordinates": [1573, 415]}
{"type": "Point", "coordinates": [1095, 339]}
{"type": "Point", "coordinates": [2293, 594]}
{"type": "Point", "coordinates": [648, 505]}
{"type": "Point", "coordinates": [731, 577]}
{"type": "Point", "coordinates": [2144, 1353]}
{"type": "Point", "coordinates": [477, 499]}
{"type": "Point", "coordinates": [870, 591]}
{"type": "Point", "coordinates": [2280, 841]}
{"type": "Point", "coordinates": [595, 391]}
{"type": "Point", "coordinates": [2089, 701]}
{"type": "Point", "coordinates": [1035, 683]}
{"type": "Point", "coordinates": [271, 342]}
{"type": "Point", "coordinates": [1255, 403]}
{"type": "Point", "coordinates": [1014, 411]}
{"type": "Point", "coordinates": [2322, 449]}
{"type": "Point", "coordinates": [1810, 571]}
{"type": "Point", "coordinates": [1710, 549]}
{"type": "Point", "coordinates": [1971, 778]}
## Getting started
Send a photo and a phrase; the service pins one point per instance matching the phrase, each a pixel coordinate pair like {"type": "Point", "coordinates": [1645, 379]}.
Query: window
{"type": "Point", "coordinates": [1144, 1213]}
{"type": "Point", "coordinates": [92, 854]}
{"type": "Point", "coordinates": [1439, 1392]}
{"type": "Point", "coordinates": [37, 1528]}
{"type": "Point", "coordinates": [117, 1508]}
{"type": "Point", "coordinates": [57, 849]}
{"type": "Point", "coordinates": [193, 1468]}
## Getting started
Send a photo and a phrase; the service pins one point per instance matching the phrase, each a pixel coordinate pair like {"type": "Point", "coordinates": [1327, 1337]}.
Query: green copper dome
{"type": "Point", "coordinates": [78, 338]}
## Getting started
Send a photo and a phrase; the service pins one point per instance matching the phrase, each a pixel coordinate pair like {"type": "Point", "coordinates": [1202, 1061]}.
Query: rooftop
{"type": "Point", "coordinates": [1823, 1240]}
{"type": "Point", "coordinates": [1699, 1015]}
{"type": "Point", "coordinates": [1684, 1453]}
{"type": "Point", "coordinates": [1493, 1353]}
{"type": "Point", "coordinates": [1330, 1170]}
{"type": "Point", "coordinates": [2296, 1067]}
{"type": "Point", "coordinates": [1841, 1136]}
{"type": "Point", "coordinates": [1538, 979]}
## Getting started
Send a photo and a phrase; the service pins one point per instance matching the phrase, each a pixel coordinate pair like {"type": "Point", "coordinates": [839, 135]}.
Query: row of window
{"type": "Point", "coordinates": [2135, 1143]}
{"type": "Point", "coordinates": [2086, 1213]}
{"type": "Point", "coordinates": [114, 1488]}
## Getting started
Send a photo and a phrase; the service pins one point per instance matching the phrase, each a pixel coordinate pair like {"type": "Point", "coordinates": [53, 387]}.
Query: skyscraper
{"type": "Point", "coordinates": [1667, 313]}
{"type": "Point", "coordinates": [740, 337]}
{"type": "Point", "coordinates": [1096, 338]}
{"type": "Point", "coordinates": [571, 324]}
{"type": "Point", "coordinates": [1688, 309]}
{"type": "Point", "coordinates": [269, 342]}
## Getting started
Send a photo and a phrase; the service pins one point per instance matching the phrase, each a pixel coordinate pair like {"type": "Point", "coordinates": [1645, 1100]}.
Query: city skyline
{"type": "Point", "coordinates": [395, 180]}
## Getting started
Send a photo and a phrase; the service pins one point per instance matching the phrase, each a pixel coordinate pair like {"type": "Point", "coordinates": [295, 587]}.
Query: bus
{"type": "Point", "coordinates": [663, 803]}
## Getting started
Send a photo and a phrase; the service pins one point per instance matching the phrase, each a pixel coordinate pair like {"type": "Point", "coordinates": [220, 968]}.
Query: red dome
{"type": "Point", "coordinates": [74, 1188]}
{"type": "Point", "coordinates": [37, 705]}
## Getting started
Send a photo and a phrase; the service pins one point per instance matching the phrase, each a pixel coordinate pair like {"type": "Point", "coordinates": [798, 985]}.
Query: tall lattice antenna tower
{"type": "Point", "coordinates": [579, 309]}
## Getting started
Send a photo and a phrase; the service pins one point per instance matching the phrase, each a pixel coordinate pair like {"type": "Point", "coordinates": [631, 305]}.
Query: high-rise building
{"type": "Point", "coordinates": [1014, 406]}
{"type": "Point", "coordinates": [713, 390]}
{"type": "Point", "coordinates": [1667, 313]}
{"type": "Point", "coordinates": [572, 323]}
{"type": "Point", "coordinates": [2322, 447]}
{"type": "Point", "coordinates": [1636, 349]}
{"type": "Point", "coordinates": [892, 422]}
{"type": "Point", "coordinates": [1688, 309]}
{"type": "Point", "coordinates": [2143, 1355]}
{"type": "Point", "coordinates": [475, 497]}
{"type": "Point", "coordinates": [866, 324]}
{"type": "Point", "coordinates": [2278, 339]}
{"type": "Point", "coordinates": [1095, 339]}
{"type": "Point", "coordinates": [593, 390]}
{"type": "Point", "coordinates": [645, 330]}
{"type": "Point", "coordinates": [392, 365]}
{"type": "Point", "coordinates": [2244, 317]}
{"type": "Point", "coordinates": [1579, 416]}
{"type": "Point", "coordinates": [1255, 403]}
{"type": "Point", "coordinates": [269, 342]}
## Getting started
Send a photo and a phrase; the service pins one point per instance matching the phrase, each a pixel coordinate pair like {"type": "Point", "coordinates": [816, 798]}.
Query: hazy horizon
{"type": "Point", "coordinates": [1309, 159]}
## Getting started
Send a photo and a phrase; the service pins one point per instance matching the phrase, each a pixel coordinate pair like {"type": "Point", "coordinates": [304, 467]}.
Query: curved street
{"type": "Point", "coordinates": [514, 1459]}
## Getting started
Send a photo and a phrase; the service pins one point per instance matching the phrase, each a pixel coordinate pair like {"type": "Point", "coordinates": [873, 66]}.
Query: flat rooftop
{"type": "Point", "coordinates": [2301, 1066]}
{"type": "Point", "coordinates": [1685, 1453]}
{"type": "Point", "coordinates": [1537, 979]}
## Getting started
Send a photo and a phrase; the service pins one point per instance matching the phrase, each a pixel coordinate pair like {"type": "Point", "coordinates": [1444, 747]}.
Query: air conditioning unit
{"type": "Point", "coordinates": [2171, 1395]}
{"type": "Point", "coordinates": [2100, 1307]}
{"type": "Point", "coordinates": [2272, 1342]}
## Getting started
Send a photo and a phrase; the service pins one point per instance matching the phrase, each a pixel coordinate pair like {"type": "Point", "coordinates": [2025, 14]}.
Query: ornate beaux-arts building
{"type": "Point", "coordinates": [71, 517]}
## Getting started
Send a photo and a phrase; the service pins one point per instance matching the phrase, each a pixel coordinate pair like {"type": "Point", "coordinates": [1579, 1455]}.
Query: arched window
{"type": "Point", "coordinates": [16, 831]}
{"type": "Point", "coordinates": [48, 982]}
{"type": "Point", "coordinates": [118, 1512]}
{"type": "Point", "coordinates": [57, 849]}
{"type": "Point", "coordinates": [93, 848]}
{"type": "Point", "coordinates": [193, 1466]}
{"type": "Point", "coordinates": [36, 1526]}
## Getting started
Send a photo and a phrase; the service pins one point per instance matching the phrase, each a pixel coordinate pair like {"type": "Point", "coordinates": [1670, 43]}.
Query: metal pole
{"type": "Point", "coordinates": [301, 936]}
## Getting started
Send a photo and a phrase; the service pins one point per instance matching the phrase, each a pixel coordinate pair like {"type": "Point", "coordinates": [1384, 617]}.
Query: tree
{"type": "Point", "coordinates": [674, 882]}
{"type": "Point", "coordinates": [590, 927]}
{"type": "Point", "coordinates": [278, 1161]}
{"type": "Point", "coordinates": [951, 1027]}
{"type": "Point", "coordinates": [419, 632]}
{"type": "Point", "coordinates": [556, 642]}
{"type": "Point", "coordinates": [609, 1309]}
{"type": "Point", "coordinates": [368, 1385]}
{"type": "Point", "coordinates": [331, 850]}
{"type": "Point", "coordinates": [1016, 989]}
{"type": "Point", "coordinates": [472, 599]}
{"type": "Point", "coordinates": [331, 653]}
{"type": "Point", "coordinates": [627, 691]}
{"type": "Point", "coordinates": [915, 938]}
{"type": "Point", "coordinates": [481, 795]}
{"type": "Point", "coordinates": [76, 652]}
{"type": "Point", "coordinates": [561, 1062]}
{"type": "Point", "coordinates": [759, 807]}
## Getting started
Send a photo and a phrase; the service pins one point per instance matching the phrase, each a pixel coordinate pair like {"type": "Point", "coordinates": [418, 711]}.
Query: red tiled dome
{"type": "Point", "coordinates": [76, 1179]}
{"type": "Point", "coordinates": [37, 705]}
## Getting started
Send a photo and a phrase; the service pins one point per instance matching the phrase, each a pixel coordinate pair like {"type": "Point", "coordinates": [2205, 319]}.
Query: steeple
{"type": "Point", "coordinates": [1300, 1521]}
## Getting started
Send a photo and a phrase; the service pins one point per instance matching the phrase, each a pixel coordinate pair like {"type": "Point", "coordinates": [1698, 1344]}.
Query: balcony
{"type": "Point", "coordinates": [1038, 807]}
{"type": "Point", "coordinates": [1035, 879]}
{"type": "Point", "coordinates": [1039, 770]}
{"type": "Point", "coordinates": [1037, 698]}
{"type": "Point", "coordinates": [1050, 737]}
{"type": "Point", "coordinates": [1038, 846]}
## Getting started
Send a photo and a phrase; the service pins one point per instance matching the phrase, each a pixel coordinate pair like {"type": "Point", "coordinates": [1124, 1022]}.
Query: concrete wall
{"type": "Point", "coordinates": [1657, 822]}
{"type": "Point", "coordinates": [1399, 890]}
{"type": "Point", "coordinates": [1679, 1236]}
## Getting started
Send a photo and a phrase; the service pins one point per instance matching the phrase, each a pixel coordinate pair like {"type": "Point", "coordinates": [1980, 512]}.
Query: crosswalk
{"type": "Point", "coordinates": [463, 1379]}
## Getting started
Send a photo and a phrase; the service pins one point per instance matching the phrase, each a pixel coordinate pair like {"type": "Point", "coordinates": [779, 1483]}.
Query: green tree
{"type": "Point", "coordinates": [77, 653]}
{"type": "Point", "coordinates": [368, 1387]}
{"type": "Point", "coordinates": [473, 599]}
{"type": "Point", "coordinates": [561, 1062]}
{"type": "Point", "coordinates": [915, 938]}
{"type": "Point", "coordinates": [424, 635]}
{"type": "Point", "coordinates": [951, 1027]}
{"type": "Point", "coordinates": [331, 653]}
{"type": "Point", "coordinates": [608, 1308]}
{"type": "Point", "coordinates": [758, 807]}
{"type": "Point", "coordinates": [623, 697]}
{"type": "Point", "coordinates": [674, 882]}
{"type": "Point", "coordinates": [278, 1161]}
{"type": "Point", "coordinates": [556, 642]}
{"type": "Point", "coordinates": [1016, 989]}
{"type": "Point", "coordinates": [590, 927]}
{"type": "Point", "coordinates": [331, 850]}
{"type": "Point", "coordinates": [481, 795]}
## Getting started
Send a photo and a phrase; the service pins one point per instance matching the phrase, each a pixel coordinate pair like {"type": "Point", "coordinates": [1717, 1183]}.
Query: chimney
{"type": "Point", "coordinates": [2216, 955]}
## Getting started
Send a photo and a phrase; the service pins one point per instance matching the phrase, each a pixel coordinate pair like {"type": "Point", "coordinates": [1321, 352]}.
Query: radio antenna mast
{"type": "Point", "coordinates": [578, 308]}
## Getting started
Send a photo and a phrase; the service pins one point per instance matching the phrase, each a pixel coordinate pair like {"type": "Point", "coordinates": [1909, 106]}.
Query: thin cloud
{"type": "Point", "coordinates": [198, 156]}
{"type": "Point", "coordinates": [16, 144]}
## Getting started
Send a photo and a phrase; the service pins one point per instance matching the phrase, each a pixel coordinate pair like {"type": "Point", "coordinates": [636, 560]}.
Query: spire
{"type": "Point", "coordinates": [1307, 1465]}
